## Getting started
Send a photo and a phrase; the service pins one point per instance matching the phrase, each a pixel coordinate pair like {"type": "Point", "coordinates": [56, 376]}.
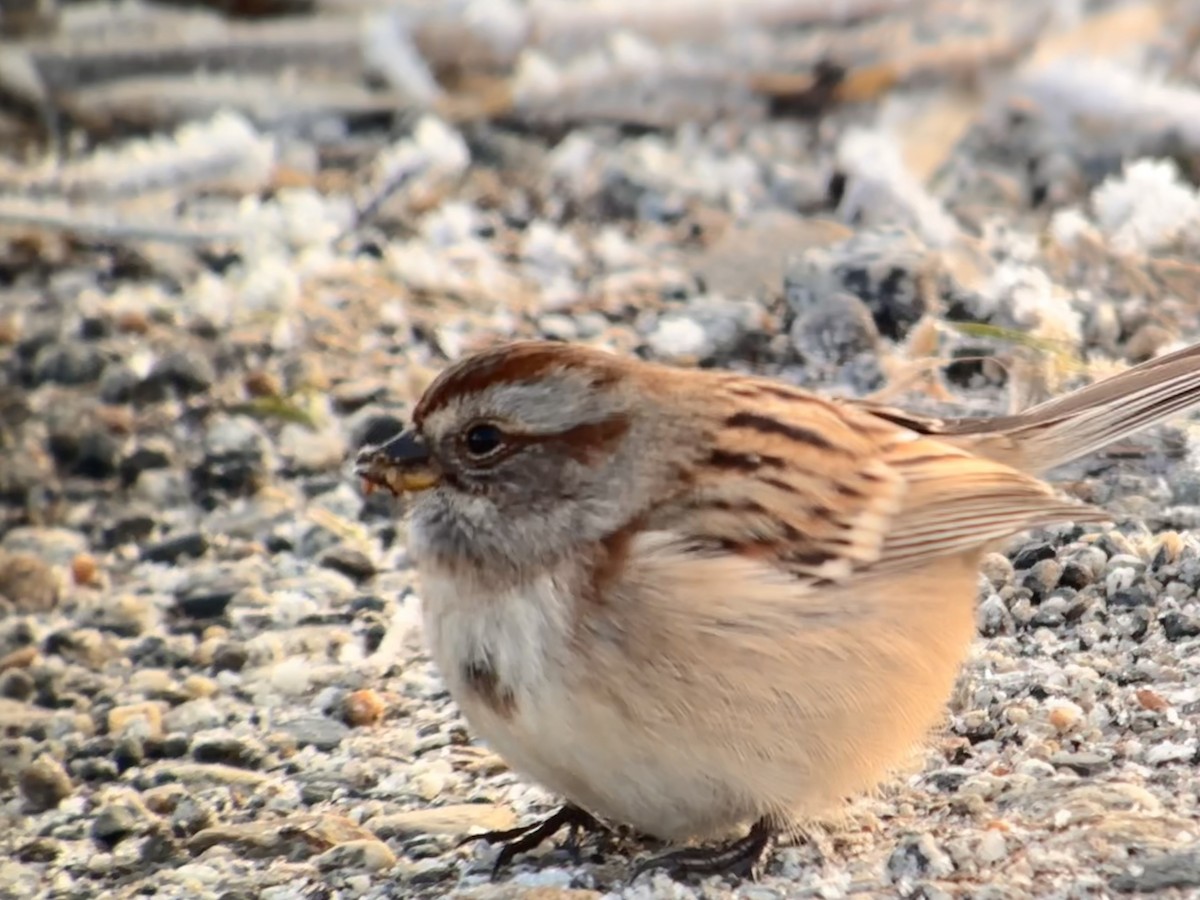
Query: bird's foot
{"type": "Point", "coordinates": [746, 857]}
{"type": "Point", "coordinates": [526, 837]}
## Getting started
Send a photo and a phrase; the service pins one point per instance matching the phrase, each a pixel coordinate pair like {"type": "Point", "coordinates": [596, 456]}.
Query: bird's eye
{"type": "Point", "coordinates": [483, 440]}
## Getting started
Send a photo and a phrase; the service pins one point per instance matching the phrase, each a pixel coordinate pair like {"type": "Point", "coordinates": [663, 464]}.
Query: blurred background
{"type": "Point", "coordinates": [238, 238]}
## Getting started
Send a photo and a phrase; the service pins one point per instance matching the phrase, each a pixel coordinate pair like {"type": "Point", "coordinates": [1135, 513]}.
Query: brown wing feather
{"type": "Point", "coordinates": [825, 490]}
{"type": "Point", "coordinates": [957, 502]}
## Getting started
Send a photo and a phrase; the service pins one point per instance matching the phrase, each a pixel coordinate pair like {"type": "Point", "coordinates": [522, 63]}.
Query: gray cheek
{"type": "Point", "coordinates": [515, 527]}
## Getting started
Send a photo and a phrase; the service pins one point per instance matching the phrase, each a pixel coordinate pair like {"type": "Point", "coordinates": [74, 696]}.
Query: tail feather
{"type": "Point", "coordinates": [1091, 418]}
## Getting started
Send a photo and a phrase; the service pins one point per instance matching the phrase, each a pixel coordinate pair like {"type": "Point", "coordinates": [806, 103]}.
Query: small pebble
{"type": "Point", "coordinates": [85, 570]}
{"type": "Point", "coordinates": [997, 568]}
{"type": "Point", "coordinates": [1148, 699]}
{"type": "Point", "coordinates": [451, 819]}
{"type": "Point", "coordinates": [369, 855]}
{"type": "Point", "coordinates": [28, 582]}
{"type": "Point", "coordinates": [21, 658]}
{"type": "Point", "coordinates": [193, 716]}
{"type": "Point", "coordinates": [148, 717]}
{"type": "Point", "coordinates": [1171, 751]}
{"type": "Point", "coordinates": [317, 731]}
{"type": "Point", "coordinates": [189, 544]}
{"type": "Point", "coordinates": [1043, 576]}
{"type": "Point", "coordinates": [1064, 715]}
{"type": "Point", "coordinates": [1034, 553]}
{"type": "Point", "coordinates": [207, 599]}
{"type": "Point", "coordinates": [222, 746]}
{"type": "Point", "coordinates": [44, 784]}
{"type": "Point", "coordinates": [1177, 626]}
{"type": "Point", "coordinates": [118, 819]}
{"type": "Point", "coordinates": [918, 857]}
{"type": "Point", "coordinates": [229, 656]}
{"type": "Point", "coordinates": [992, 847]}
{"type": "Point", "coordinates": [362, 708]}
{"type": "Point", "coordinates": [349, 561]}
{"type": "Point", "coordinates": [199, 686]}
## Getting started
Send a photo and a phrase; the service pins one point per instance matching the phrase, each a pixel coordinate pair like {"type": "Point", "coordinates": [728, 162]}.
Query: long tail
{"type": "Point", "coordinates": [1066, 428]}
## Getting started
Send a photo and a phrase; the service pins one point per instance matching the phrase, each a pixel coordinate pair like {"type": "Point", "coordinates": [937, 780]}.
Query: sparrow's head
{"type": "Point", "coordinates": [520, 453]}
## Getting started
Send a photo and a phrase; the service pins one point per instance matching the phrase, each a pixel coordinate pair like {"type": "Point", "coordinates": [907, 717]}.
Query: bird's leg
{"type": "Point", "coordinates": [525, 837]}
{"type": "Point", "coordinates": [746, 856]}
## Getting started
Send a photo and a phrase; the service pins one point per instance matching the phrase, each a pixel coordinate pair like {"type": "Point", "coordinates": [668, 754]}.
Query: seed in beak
{"type": "Point", "coordinates": [403, 465]}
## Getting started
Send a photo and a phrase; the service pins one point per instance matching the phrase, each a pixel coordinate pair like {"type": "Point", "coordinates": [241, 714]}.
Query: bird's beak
{"type": "Point", "coordinates": [402, 465]}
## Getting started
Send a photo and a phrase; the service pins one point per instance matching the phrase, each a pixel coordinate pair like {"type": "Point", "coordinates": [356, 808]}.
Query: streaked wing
{"type": "Point", "coordinates": [956, 502]}
{"type": "Point", "coordinates": [825, 489]}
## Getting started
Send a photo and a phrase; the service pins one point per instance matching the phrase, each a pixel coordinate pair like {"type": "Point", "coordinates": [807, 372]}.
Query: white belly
{"type": "Point", "coordinates": [557, 735]}
{"type": "Point", "coordinates": [691, 716]}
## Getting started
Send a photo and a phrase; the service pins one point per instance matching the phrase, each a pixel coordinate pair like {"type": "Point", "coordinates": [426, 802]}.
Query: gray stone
{"type": "Point", "coordinates": [1178, 625]}
{"type": "Point", "coordinates": [916, 857]}
{"type": "Point", "coordinates": [193, 717]}
{"type": "Point", "coordinates": [118, 819]}
{"type": "Point", "coordinates": [223, 746]}
{"type": "Point", "coordinates": [317, 731]}
{"type": "Point", "coordinates": [1174, 870]}
{"type": "Point", "coordinates": [190, 816]}
{"type": "Point", "coordinates": [54, 546]}
{"type": "Point", "coordinates": [1082, 763]}
{"type": "Point", "coordinates": [349, 561]}
{"type": "Point", "coordinates": [207, 594]}
{"type": "Point", "coordinates": [69, 362]}
{"type": "Point", "coordinates": [367, 855]}
{"type": "Point", "coordinates": [1043, 576]}
{"type": "Point", "coordinates": [184, 372]}
{"type": "Point", "coordinates": [834, 331]}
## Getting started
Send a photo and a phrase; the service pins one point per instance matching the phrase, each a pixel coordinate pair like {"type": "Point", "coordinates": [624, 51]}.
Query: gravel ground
{"type": "Point", "coordinates": [212, 683]}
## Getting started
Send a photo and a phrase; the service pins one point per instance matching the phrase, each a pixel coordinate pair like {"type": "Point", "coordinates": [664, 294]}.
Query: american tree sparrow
{"type": "Point", "coordinates": [704, 604]}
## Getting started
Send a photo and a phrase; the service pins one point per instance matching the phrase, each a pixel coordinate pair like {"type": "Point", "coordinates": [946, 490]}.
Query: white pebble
{"type": "Point", "coordinates": [1119, 579]}
{"type": "Point", "coordinates": [291, 676]}
{"type": "Point", "coordinates": [992, 847]}
{"type": "Point", "coordinates": [1035, 768]}
{"type": "Point", "coordinates": [100, 863]}
{"type": "Point", "coordinates": [1171, 751]}
{"type": "Point", "coordinates": [292, 606]}
{"type": "Point", "coordinates": [678, 338]}
{"type": "Point", "coordinates": [1147, 207]}
{"type": "Point", "coordinates": [544, 878]}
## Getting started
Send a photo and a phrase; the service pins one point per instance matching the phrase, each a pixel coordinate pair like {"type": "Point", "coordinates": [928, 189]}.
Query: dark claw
{"type": "Point", "coordinates": [746, 857]}
{"type": "Point", "coordinates": [525, 837]}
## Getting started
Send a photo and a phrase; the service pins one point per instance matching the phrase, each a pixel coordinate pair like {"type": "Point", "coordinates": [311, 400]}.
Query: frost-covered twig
{"type": "Point", "coordinates": [224, 152]}
{"type": "Point", "coordinates": [270, 101]}
{"type": "Point", "coordinates": [1137, 107]}
{"type": "Point", "coordinates": [188, 42]}
{"type": "Point", "coordinates": [432, 153]}
{"type": "Point", "coordinates": [105, 224]}
{"type": "Point", "coordinates": [565, 25]}
{"type": "Point", "coordinates": [631, 80]}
